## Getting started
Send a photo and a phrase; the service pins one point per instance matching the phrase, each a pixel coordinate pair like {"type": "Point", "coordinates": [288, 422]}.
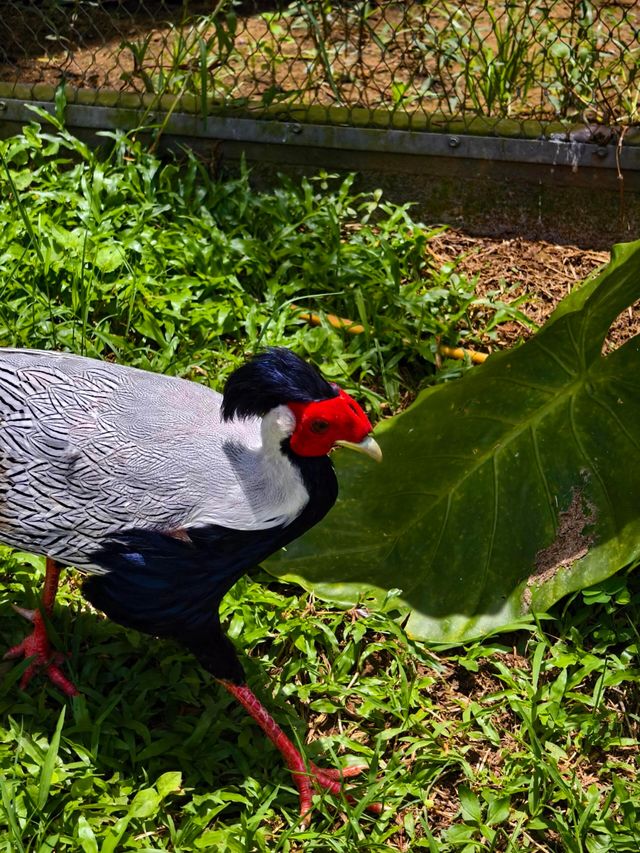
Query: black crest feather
{"type": "Point", "coordinates": [269, 379]}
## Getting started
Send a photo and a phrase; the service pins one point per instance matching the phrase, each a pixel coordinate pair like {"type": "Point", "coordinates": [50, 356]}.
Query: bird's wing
{"type": "Point", "coordinates": [142, 588]}
{"type": "Point", "coordinates": [88, 449]}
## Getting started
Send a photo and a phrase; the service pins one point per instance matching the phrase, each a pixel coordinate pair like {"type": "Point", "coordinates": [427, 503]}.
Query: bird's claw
{"type": "Point", "coordinates": [37, 648]}
{"type": "Point", "coordinates": [305, 774]}
{"type": "Point", "coordinates": [329, 779]}
{"type": "Point", "coordinates": [340, 773]}
{"type": "Point", "coordinates": [29, 615]}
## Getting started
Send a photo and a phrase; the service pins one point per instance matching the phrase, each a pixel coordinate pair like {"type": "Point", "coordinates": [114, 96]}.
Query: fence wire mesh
{"type": "Point", "coordinates": [422, 65]}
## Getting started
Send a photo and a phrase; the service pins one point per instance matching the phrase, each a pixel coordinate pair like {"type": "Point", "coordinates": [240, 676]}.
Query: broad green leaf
{"type": "Point", "coordinates": [470, 805]}
{"type": "Point", "coordinates": [86, 836]}
{"type": "Point", "coordinates": [168, 783]}
{"type": "Point", "coordinates": [145, 803]}
{"type": "Point", "coordinates": [23, 178]}
{"type": "Point", "coordinates": [218, 839]}
{"type": "Point", "coordinates": [109, 258]}
{"type": "Point", "coordinates": [502, 491]}
{"type": "Point", "coordinates": [498, 810]}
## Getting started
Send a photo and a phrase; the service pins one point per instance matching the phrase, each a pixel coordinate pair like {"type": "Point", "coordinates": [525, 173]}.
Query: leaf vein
{"type": "Point", "coordinates": [578, 350]}
{"type": "Point", "coordinates": [592, 466]}
{"type": "Point", "coordinates": [614, 416]}
{"type": "Point", "coordinates": [552, 355]}
{"type": "Point", "coordinates": [494, 524]}
{"type": "Point", "coordinates": [542, 475]}
{"type": "Point", "coordinates": [530, 385]}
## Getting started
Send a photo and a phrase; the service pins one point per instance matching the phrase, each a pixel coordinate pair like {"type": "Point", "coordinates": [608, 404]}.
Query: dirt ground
{"type": "Point", "coordinates": [546, 272]}
{"type": "Point", "coordinates": [268, 51]}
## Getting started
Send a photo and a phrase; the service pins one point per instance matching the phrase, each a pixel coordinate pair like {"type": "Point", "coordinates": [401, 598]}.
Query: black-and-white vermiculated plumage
{"type": "Point", "coordinates": [134, 447]}
{"type": "Point", "coordinates": [165, 492]}
{"type": "Point", "coordinates": [147, 483]}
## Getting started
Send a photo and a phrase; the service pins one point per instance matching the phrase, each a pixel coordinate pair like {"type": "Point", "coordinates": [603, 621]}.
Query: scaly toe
{"type": "Point", "coordinates": [340, 773]}
{"type": "Point", "coordinates": [29, 615]}
{"type": "Point", "coordinates": [14, 652]}
{"type": "Point", "coordinates": [49, 667]}
{"type": "Point", "coordinates": [42, 658]}
{"type": "Point", "coordinates": [331, 780]}
{"type": "Point", "coordinates": [60, 680]}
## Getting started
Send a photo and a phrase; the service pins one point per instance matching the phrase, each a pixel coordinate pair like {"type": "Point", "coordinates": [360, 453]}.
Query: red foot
{"type": "Point", "coordinates": [37, 647]}
{"type": "Point", "coordinates": [329, 779]}
{"type": "Point", "coordinates": [305, 774]}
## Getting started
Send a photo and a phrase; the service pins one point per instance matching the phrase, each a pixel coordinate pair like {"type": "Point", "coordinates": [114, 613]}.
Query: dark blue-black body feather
{"type": "Point", "coordinates": [172, 587]}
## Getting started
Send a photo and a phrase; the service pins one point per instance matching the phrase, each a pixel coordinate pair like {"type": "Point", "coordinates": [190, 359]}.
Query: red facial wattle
{"type": "Point", "coordinates": [320, 424]}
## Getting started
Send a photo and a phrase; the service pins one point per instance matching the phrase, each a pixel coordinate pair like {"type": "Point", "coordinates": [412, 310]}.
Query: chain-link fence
{"type": "Point", "coordinates": [513, 64]}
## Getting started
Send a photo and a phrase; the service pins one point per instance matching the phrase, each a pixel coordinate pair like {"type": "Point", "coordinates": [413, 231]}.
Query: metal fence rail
{"type": "Point", "coordinates": [505, 67]}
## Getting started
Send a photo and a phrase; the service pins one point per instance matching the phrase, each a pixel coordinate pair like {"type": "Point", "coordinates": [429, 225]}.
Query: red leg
{"type": "Point", "coordinates": [37, 645]}
{"type": "Point", "coordinates": [304, 773]}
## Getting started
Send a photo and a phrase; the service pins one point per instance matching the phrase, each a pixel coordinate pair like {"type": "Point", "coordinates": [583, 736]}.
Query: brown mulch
{"type": "Point", "coordinates": [544, 272]}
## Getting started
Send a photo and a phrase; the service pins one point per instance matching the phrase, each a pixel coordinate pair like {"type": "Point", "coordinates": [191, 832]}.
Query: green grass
{"type": "Point", "coordinates": [524, 741]}
{"type": "Point", "coordinates": [518, 742]}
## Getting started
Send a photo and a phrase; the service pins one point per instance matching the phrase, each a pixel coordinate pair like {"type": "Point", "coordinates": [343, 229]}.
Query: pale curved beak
{"type": "Point", "coordinates": [369, 446]}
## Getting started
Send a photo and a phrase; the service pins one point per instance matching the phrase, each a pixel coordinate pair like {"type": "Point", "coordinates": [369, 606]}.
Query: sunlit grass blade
{"type": "Point", "coordinates": [12, 820]}
{"type": "Point", "coordinates": [49, 763]}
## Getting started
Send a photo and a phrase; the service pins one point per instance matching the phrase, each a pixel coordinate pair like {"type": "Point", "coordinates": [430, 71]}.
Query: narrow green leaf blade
{"type": "Point", "coordinates": [46, 774]}
{"type": "Point", "coordinates": [12, 818]}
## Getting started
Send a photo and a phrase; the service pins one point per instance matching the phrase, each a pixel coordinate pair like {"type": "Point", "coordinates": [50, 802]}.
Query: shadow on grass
{"type": "Point", "coordinates": [146, 707]}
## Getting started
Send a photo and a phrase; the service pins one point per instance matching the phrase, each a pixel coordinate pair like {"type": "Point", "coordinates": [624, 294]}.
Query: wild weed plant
{"type": "Point", "coordinates": [118, 254]}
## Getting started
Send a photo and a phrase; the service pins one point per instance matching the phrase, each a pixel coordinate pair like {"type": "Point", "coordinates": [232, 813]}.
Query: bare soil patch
{"type": "Point", "coordinates": [413, 55]}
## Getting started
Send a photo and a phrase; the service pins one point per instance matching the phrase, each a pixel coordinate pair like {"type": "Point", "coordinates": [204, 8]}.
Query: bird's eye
{"type": "Point", "coordinates": [319, 426]}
